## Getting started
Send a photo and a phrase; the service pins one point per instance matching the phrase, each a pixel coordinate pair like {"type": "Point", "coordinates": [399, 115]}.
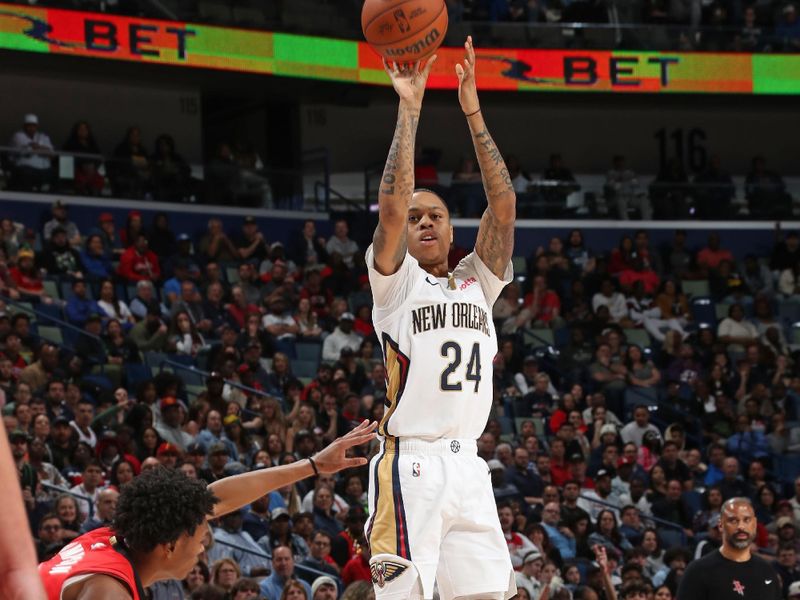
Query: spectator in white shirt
{"type": "Point", "coordinates": [735, 331]}
{"type": "Point", "coordinates": [342, 337]}
{"type": "Point", "coordinates": [32, 164]}
{"type": "Point", "coordinates": [635, 430]}
{"type": "Point", "coordinates": [278, 322]}
{"type": "Point", "coordinates": [89, 488]}
{"type": "Point", "coordinates": [615, 301]}
{"type": "Point", "coordinates": [341, 244]}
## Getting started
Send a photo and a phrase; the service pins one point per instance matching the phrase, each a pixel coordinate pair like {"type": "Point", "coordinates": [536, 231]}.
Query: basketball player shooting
{"type": "Point", "coordinates": [433, 511]}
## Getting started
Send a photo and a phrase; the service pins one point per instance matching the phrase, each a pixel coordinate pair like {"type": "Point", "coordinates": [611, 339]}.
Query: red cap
{"type": "Point", "coordinates": [135, 213]}
{"type": "Point", "coordinates": [624, 460]}
{"type": "Point", "coordinates": [168, 401]}
{"type": "Point", "coordinates": [243, 368]}
{"type": "Point", "coordinates": [167, 448]}
{"type": "Point", "coordinates": [106, 216]}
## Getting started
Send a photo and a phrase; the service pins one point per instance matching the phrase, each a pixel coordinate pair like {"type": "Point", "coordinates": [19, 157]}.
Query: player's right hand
{"type": "Point", "coordinates": [408, 80]}
{"type": "Point", "coordinates": [334, 457]}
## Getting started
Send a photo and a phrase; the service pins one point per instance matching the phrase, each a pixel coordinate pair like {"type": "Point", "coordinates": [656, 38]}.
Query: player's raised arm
{"type": "Point", "coordinates": [397, 183]}
{"type": "Point", "coordinates": [234, 492]}
{"type": "Point", "coordinates": [495, 243]}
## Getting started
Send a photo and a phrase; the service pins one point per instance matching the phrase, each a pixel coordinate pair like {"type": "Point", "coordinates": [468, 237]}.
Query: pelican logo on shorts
{"type": "Point", "coordinates": [455, 446]}
{"type": "Point", "coordinates": [385, 571]}
{"type": "Point", "coordinates": [415, 469]}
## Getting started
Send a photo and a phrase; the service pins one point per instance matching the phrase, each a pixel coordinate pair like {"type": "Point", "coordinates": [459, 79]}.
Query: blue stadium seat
{"type": "Point", "coordinates": [136, 374]}
{"type": "Point", "coordinates": [308, 351]}
{"type": "Point", "coordinates": [305, 368]}
{"type": "Point", "coordinates": [703, 311]}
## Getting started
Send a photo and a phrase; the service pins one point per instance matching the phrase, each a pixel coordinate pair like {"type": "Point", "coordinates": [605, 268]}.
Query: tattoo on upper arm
{"type": "Point", "coordinates": [495, 243]}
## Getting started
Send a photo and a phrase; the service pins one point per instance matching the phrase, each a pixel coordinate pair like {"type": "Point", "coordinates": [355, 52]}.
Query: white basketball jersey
{"type": "Point", "coordinates": [438, 341]}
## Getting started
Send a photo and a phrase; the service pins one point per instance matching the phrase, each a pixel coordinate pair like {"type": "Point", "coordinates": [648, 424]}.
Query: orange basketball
{"type": "Point", "coordinates": [404, 31]}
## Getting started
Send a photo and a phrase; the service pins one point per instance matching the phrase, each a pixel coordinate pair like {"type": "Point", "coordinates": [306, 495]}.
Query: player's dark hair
{"type": "Point", "coordinates": [160, 505]}
{"type": "Point", "coordinates": [430, 191]}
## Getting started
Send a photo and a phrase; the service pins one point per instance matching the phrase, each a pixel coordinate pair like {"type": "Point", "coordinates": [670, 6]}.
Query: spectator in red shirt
{"type": "Point", "coordinates": [357, 568]}
{"type": "Point", "coordinates": [138, 263]}
{"type": "Point", "coordinates": [544, 305]}
{"type": "Point", "coordinates": [25, 276]}
{"type": "Point", "coordinates": [708, 258]}
{"type": "Point", "coordinates": [639, 271]}
{"type": "Point", "coordinates": [559, 467]}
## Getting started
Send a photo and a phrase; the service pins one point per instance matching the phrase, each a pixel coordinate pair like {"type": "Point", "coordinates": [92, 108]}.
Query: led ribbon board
{"type": "Point", "coordinates": [171, 43]}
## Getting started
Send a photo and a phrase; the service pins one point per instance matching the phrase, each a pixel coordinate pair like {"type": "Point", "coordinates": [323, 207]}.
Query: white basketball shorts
{"type": "Point", "coordinates": [433, 516]}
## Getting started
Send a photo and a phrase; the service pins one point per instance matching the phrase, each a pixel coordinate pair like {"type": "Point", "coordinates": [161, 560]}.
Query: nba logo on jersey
{"type": "Point", "coordinates": [415, 469]}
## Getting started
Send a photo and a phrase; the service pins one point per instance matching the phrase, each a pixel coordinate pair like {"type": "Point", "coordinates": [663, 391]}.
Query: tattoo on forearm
{"type": "Point", "coordinates": [398, 174]}
{"type": "Point", "coordinates": [493, 168]}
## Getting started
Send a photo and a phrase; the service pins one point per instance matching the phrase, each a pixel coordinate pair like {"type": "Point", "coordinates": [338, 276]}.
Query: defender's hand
{"type": "Point", "coordinates": [334, 457]}
{"type": "Point", "coordinates": [467, 91]}
{"type": "Point", "coordinates": [409, 81]}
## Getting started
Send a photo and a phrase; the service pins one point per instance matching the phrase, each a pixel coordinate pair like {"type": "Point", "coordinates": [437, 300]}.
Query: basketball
{"type": "Point", "coordinates": [404, 31]}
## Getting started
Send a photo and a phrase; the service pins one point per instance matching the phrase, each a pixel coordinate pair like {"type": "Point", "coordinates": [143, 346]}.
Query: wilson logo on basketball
{"type": "Point", "coordinates": [417, 47]}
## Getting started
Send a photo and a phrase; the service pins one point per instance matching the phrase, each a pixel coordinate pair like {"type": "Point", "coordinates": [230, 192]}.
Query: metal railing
{"type": "Point", "coordinates": [60, 490]}
{"type": "Point", "coordinates": [643, 516]}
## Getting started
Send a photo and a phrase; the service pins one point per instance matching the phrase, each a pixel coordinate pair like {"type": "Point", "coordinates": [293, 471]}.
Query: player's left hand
{"type": "Point", "coordinates": [334, 457]}
{"type": "Point", "coordinates": [467, 90]}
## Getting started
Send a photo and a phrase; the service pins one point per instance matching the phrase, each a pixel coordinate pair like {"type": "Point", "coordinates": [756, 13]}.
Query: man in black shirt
{"type": "Point", "coordinates": [732, 573]}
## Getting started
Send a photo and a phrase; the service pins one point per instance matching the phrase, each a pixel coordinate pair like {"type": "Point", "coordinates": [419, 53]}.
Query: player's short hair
{"type": "Point", "coordinates": [160, 505]}
{"type": "Point", "coordinates": [430, 191]}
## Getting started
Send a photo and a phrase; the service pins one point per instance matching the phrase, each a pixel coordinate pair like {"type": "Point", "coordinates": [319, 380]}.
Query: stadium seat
{"type": "Point", "coordinates": [638, 337]}
{"type": "Point", "coordinates": [703, 311]}
{"type": "Point", "coordinates": [694, 289]}
{"type": "Point", "coordinates": [51, 334]}
{"type": "Point", "coordinates": [51, 288]}
{"type": "Point", "coordinates": [305, 368]}
{"type": "Point", "coordinates": [136, 374]}
{"type": "Point", "coordinates": [232, 273]}
{"type": "Point", "coordinates": [537, 338]}
{"type": "Point", "coordinates": [308, 351]}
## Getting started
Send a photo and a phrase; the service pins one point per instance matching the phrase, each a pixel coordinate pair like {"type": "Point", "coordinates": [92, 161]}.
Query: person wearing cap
{"type": "Point", "coordinates": [80, 306]}
{"type": "Point", "coordinates": [280, 323]}
{"type": "Point", "coordinates": [342, 337]}
{"type": "Point", "coordinates": [324, 588]}
{"type": "Point", "coordinates": [280, 534]}
{"type": "Point", "coordinates": [251, 244]}
{"type": "Point", "coordinates": [26, 277]}
{"type": "Point", "coordinates": [28, 478]}
{"type": "Point", "coordinates": [168, 455]}
{"type": "Point", "coordinates": [502, 490]}
{"type": "Point", "coordinates": [787, 532]}
{"type": "Point", "coordinates": [602, 492]}
{"type": "Point", "coordinates": [732, 572]}
{"type": "Point", "coordinates": [169, 426]}
{"type": "Point", "coordinates": [138, 262]}
{"type": "Point", "coordinates": [277, 254]}
{"type": "Point", "coordinates": [231, 541]}
{"type": "Point", "coordinates": [713, 541]}
{"type": "Point", "coordinates": [150, 333]}
{"type": "Point", "coordinates": [61, 220]}
{"type": "Point", "coordinates": [32, 167]}
{"type": "Point", "coordinates": [218, 457]}
{"type": "Point", "coordinates": [107, 231]}
{"type": "Point", "coordinates": [59, 258]}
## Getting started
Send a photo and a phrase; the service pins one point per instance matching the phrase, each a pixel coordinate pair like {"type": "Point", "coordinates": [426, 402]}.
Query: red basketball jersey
{"type": "Point", "coordinates": [94, 553]}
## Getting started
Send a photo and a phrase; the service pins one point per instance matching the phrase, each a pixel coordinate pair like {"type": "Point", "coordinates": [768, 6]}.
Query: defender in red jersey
{"type": "Point", "coordinates": [160, 523]}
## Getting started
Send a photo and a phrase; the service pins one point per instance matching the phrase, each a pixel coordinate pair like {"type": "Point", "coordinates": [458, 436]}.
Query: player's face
{"type": "Point", "coordinates": [738, 525]}
{"type": "Point", "coordinates": [429, 231]}
{"type": "Point", "coordinates": [187, 550]}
